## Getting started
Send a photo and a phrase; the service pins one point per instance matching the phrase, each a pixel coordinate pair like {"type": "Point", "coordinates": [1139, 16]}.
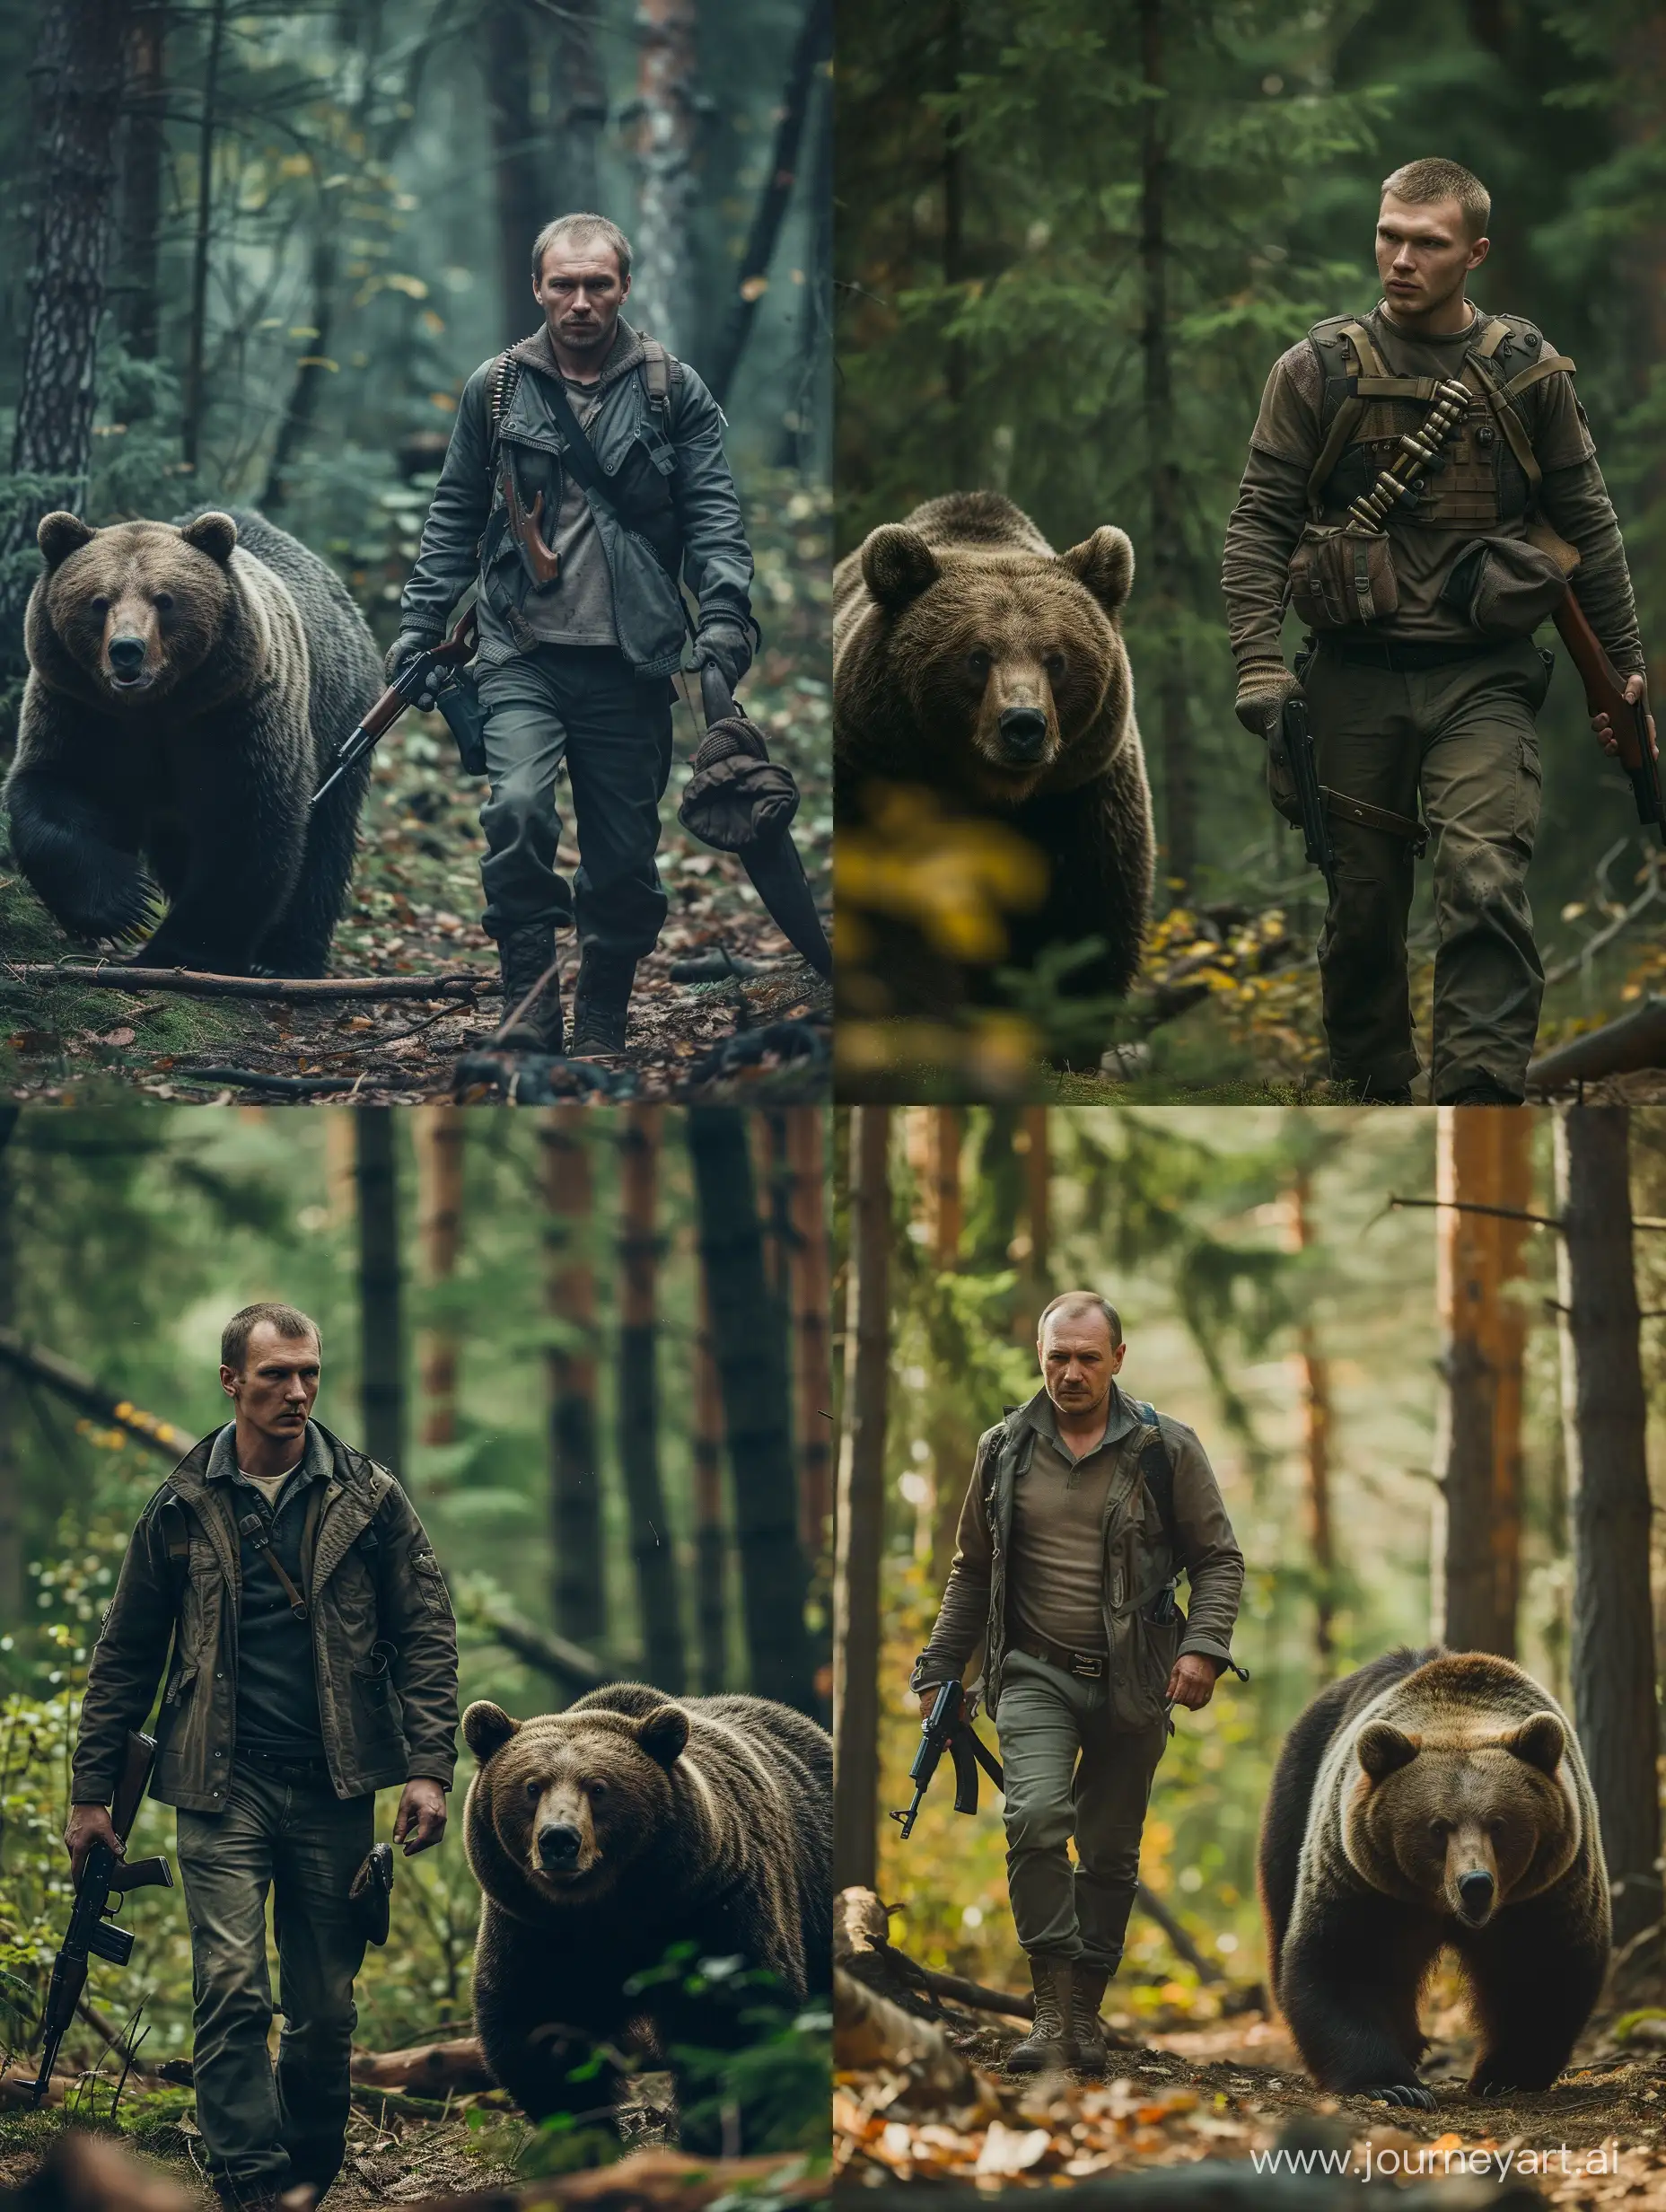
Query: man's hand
{"type": "Point", "coordinates": [1606, 737]}
{"type": "Point", "coordinates": [727, 646]}
{"type": "Point", "coordinates": [928, 1698]}
{"type": "Point", "coordinates": [404, 650]}
{"type": "Point", "coordinates": [1192, 1682]}
{"type": "Point", "coordinates": [88, 1825]}
{"type": "Point", "coordinates": [1263, 688]}
{"type": "Point", "coordinates": [420, 1822]}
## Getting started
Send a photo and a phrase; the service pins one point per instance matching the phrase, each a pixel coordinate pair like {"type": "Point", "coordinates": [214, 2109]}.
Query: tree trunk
{"type": "Point", "coordinates": [945, 1172]}
{"type": "Point", "coordinates": [145, 154]}
{"type": "Point", "coordinates": [960, 435]}
{"type": "Point", "coordinates": [638, 1398]}
{"type": "Point", "coordinates": [77, 93]}
{"type": "Point", "coordinates": [813, 43]}
{"type": "Point", "coordinates": [579, 100]}
{"type": "Point", "coordinates": [438, 1135]}
{"type": "Point", "coordinates": [1313, 1369]}
{"type": "Point", "coordinates": [11, 1396]}
{"type": "Point", "coordinates": [1603, 1421]}
{"type": "Point", "coordinates": [1483, 1160]}
{"type": "Point", "coordinates": [859, 1514]}
{"type": "Point", "coordinates": [518, 191]}
{"type": "Point", "coordinates": [813, 1396]}
{"type": "Point", "coordinates": [665, 116]}
{"type": "Point", "coordinates": [382, 1368]}
{"type": "Point", "coordinates": [197, 342]}
{"type": "Point", "coordinates": [711, 1542]}
{"type": "Point", "coordinates": [1031, 1248]}
{"type": "Point", "coordinates": [1166, 504]}
{"type": "Point", "coordinates": [307, 391]}
{"type": "Point", "coordinates": [752, 1372]}
{"type": "Point", "coordinates": [578, 1591]}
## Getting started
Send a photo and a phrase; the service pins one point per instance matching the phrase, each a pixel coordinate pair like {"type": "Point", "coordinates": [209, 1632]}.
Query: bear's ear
{"type": "Point", "coordinates": [486, 1728]}
{"type": "Point", "coordinates": [213, 534]}
{"type": "Point", "coordinates": [1104, 564]}
{"type": "Point", "coordinates": [58, 535]}
{"type": "Point", "coordinates": [897, 566]}
{"type": "Point", "coordinates": [663, 1733]}
{"type": "Point", "coordinates": [1540, 1740]}
{"type": "Point", "coordinates": [1383, 1749]}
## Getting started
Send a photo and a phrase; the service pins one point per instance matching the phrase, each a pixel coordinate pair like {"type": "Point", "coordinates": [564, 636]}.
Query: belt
{"type": "Point", "coordinates": [1088, 1666]}
{"type": "Point", "coordinates": [315, 1771]}
{"type": "Point", "coordinates": [1407, 654]}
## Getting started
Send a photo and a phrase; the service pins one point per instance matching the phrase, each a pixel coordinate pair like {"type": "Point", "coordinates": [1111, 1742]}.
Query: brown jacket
{"type": "Point", "coordinates": [1139, 1561]}
{"type": "Point", "coordinates": [384, 1641]}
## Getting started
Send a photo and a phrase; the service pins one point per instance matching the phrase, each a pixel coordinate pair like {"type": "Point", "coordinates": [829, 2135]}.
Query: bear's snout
{"type": "Point", "coordinates": [1476, 1892]}
{"type": "Point", "coordinates": [558, 1848]}
{"type": "Point", "coordinates": [1023, 733]}
{"type": "Point", "coordinates": [127, 658]}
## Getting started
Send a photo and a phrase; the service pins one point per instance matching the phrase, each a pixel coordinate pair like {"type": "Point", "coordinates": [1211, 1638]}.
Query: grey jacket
{"type": "Point", "coordinates": [1138, 1563]}
{"type": "Point", "coordinates": [467, 533]}
{"type": "Point", "coordinates": [384, 1642]}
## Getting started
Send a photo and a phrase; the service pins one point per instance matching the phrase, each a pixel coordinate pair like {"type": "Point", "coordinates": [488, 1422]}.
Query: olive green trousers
{"type": "Point", "coordinates": [1460, 736]}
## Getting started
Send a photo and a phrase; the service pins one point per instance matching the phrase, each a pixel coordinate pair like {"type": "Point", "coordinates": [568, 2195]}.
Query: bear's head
{"type": "Point", "coordinates": [1461, 1816]}
{"type": "Point", "coordinates": [1008, 658]}
{"type": "Point", "coordinates": [127, 615]}
{"type": "Point", "coordinates": [571, 1799]}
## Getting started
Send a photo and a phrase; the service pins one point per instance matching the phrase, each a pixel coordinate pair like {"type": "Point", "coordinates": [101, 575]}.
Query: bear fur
{"type": "Point", "coordinates": [1434, 1799]}
{"type": "Point", "coordinates": [971, 658]}
{"type": "Point", "coordinates": [702, 1821]}
{"type": "Point", "coordinates": [196, 771]}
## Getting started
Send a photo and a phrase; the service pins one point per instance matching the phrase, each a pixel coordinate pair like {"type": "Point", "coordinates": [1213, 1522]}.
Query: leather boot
{"type": "Point", "coordinates": [523, 954]}
{"type": "Point", "coordinates": [1087, 1991]}
{"type": "Point", "coordinates": [601, 1002]}
{"type": "Point", "coordinates": [1048, 2046]}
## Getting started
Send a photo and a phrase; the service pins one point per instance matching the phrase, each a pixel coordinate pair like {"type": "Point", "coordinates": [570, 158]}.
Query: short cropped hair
{"type": "Point", "coordinates": [1435, 180]}
{"type": "Point", "coordinates": [581, 226]}
{"type": "Point", "coordinates": [288, 1320]}
{"type": "Point", "coordinates": [1083, 1302]}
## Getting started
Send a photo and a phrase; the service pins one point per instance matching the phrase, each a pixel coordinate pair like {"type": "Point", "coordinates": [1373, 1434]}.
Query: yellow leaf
{"type": "Point", "coordinates": [755, 287]}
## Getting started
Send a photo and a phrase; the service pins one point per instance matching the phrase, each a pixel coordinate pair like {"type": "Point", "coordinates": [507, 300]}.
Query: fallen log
{"type": "Point", "coordinates": [570, 1664]}
{"type": "Point", "coordinates": [36, 1365]}
{"type": "Point", "coordinates": [1637, 1041]}
{"type": "Point", "coordinates": [195, 983]}
{"type": "Point", "coordinates": [454, 2068]}
{"type": "Point", "coordinates": [280, 1086]}
{"type": "Point", "coordinates": [862, 1949]}
{"type": "Point", "coordinates": [85, 2172]}
{"type": "Point", "coordinates": [650, 2180]}
{"type": "Point", "coordinates": [869, 2030]}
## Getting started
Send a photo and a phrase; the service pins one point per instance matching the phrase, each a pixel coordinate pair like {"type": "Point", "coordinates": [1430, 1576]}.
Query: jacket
{"type": "Point", "coordinates": [384, 1641]}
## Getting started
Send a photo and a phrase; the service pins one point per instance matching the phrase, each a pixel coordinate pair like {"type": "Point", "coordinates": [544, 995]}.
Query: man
{"type": "Point", "coordinates": [581, 617]}
{"type": "Point", "coordinates": [1083, 1507]}
{"type": "Point", "coordinates": [1433, 697]}
{"type": "Point", "coordinates": [313, 1663]}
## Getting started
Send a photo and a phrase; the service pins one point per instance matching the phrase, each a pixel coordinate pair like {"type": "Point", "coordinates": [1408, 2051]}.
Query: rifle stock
{"type": "Point", "coordinates": [1629, 719]}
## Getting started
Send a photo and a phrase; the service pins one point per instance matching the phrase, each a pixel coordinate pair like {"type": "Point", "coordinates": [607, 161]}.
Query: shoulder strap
{"type": "Point", "coordinates": [656, 374]}
{"type": "Point", "coordinates": [176, 1531]}
{"type": "Point", "coordinates": [1157, 1473]}
{"type": "Point", "coordinates": [502, 379]}
{"type": "Point", "coordinates": [1347, 416]}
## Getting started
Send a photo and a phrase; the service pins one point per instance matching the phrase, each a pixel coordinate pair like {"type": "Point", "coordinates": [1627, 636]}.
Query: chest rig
{"type": "Point", "coordinates": [1486, 474]}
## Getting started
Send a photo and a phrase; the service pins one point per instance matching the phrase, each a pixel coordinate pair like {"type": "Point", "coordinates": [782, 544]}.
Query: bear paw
{"type": "Point", "coordinates": [112, 907]}
{"type": "Point", "coordinates": [1399, 2093]}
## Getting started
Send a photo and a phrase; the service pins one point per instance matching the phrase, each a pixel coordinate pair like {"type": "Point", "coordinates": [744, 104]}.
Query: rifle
{"type": "Point", "coordinates": [948, 1727]}
{"type": "Point", "coordinates": [1297, 738]}
{"type": "Point", "coordinates": [1629, 719]}
{"type": "Point", "coordinates": [412, 680]}
{"type": "Point", "coordinates": [92, 1932]}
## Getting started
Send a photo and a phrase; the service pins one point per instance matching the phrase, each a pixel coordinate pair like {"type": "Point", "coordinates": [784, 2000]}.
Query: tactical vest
{"type": "Point", "coordinates": [1487, 474]}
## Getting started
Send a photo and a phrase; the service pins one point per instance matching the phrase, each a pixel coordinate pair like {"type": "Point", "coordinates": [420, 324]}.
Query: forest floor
{"type": "Point", "coordinates": [1233, 2087]}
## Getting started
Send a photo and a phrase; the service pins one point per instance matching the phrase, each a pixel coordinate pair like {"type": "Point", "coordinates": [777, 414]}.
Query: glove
{"type": "Point", "coordinates": [727, 646]}
{"type": "Point", "coordinates": [402, 652]}
{"type": "Point", "coordinates": [1263, 687]}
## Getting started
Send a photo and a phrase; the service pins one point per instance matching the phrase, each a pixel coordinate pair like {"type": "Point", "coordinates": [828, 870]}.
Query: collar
{"type": "Point", "coordinates": [626, 351]}
{"type": "Point", "coordinates": [316, 1464]}
{"type": "Point", "coordinates": [1041, 1415]}
{"type": "Point", "coordinates": [1385, 314]}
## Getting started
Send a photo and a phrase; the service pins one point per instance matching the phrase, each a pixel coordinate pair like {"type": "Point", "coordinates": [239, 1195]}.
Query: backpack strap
{"type": "Point", "coordinates": [658, 369]}
{"type": "Point", "coordinates": [501, 380]}
{"type": "Point", "coordinates": [176, 1533]}
{"type": "Point", "coordinates": [1157, 1473]}
{"type": "Point", "coordinates": [1367, 364]}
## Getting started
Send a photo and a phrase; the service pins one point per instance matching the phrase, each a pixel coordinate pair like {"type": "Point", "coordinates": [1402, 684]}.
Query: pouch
{"type": "Point", "coordinates": [1340, 576]}
{"type": "Point", "coordinates": [1505, 587]}
{"type": "Point", "coordinates": [369, 1893]}
{"type": "Point", "coordinates": [458, 700]}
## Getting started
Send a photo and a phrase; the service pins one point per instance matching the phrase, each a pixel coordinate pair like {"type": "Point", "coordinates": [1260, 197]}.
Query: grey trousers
{"type": "Point", "coordinates": [1069, 1774]}
{"type": "Point", "coordinates": [266, 2129]}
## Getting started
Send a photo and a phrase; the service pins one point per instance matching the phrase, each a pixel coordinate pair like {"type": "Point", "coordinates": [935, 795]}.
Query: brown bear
{"type": "Point", "coordinates": [606, 1836]}
{"type": "Point", "coordinates": [188, 686]}
{"type": "Point", "coordinates": [971, 658]}
{"type": "Point", "coordinates": [1434, 1799]}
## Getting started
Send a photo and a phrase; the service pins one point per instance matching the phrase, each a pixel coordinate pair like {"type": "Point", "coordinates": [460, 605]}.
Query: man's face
{"type": "Point", "coordinates": [1424, 253]}
{"type": "Point", "coordinates": [581, 292]}
{"type": "Point", "coordinates": [1078, 1360]}
{"type": "Point", "coordinates": [276, 1390]}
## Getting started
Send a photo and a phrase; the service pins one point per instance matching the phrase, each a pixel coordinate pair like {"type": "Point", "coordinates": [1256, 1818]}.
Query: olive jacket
{"type": "Point", "coordinates": [384, 1641]}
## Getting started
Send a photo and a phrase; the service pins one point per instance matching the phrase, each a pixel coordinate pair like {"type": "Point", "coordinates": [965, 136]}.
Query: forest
{"type": "Point", "coordinates": [1063, 274]}
{"type": "Point", "coordinates": [1422, 1353]}
{"type": "Point", "coordinates": [253, 254]}
{"type": "Point", "coordinates": [594, 1348]}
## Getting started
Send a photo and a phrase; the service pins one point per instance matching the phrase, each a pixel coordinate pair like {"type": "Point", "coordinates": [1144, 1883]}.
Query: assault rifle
{"type": "Point", "coordinates": [1629, 719]}
{"type": "Point", "coordinates": [418, 675]}
{"type": "Point", "coordinates": [92, 1932]}
{"type": "Point", "coordinates": [948, 1727]}
{"type": "Point", "coordinates": [1297, 738]}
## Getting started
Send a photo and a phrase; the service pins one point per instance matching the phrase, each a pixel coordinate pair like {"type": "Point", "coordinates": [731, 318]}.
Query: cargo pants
{"type": "Point", "coordinates": [1388, 728]}
{"type": "Point", "coordinates": [1069, 1774]}
{"type": "Point", "coordinates": [266, 2129]}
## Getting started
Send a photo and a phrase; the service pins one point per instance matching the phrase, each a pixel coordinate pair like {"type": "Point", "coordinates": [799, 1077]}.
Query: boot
{"type": "Point", "coordinates": [1087, 1991]}
{"type": "Point", "coordinates": [1483, 1091]}
{"type": "Point", "coordinates": [523, 954]}
{"type": "Point", "coordinates": [600, 1002]}
{"type": "Point", "coordinates": [1048, 2046]}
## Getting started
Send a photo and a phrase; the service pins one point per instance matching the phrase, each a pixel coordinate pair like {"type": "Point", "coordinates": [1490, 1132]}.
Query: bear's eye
{"type": "Point", "coordinates": [164, 603]}
{"type": "Point", "coordinates": [1440, 1829]}
{"type": "Point", "coordinates": [978, 662]}
{"type": "Point", "coordinates": [595, 1789]}
{"type": "Point", "coordinates": [99, 606]}
{"type": "Point", "coordinates": [1053, 664]}
{"type": "Point", "coordinates": [535, 1790]}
